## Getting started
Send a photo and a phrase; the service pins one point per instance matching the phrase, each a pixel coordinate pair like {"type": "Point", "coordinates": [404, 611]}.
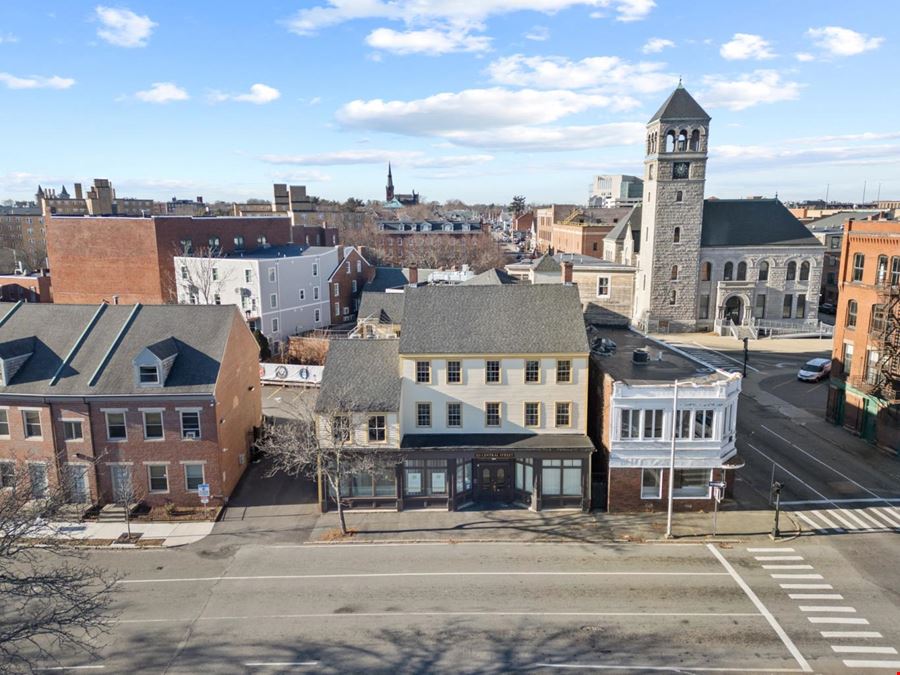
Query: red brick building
{"type": "Point", "coordinates": [864, 389]}
{"type": "Point", "coordinates": [161, 398]}
{"type": "Point", "coordinates": [128, 260]}
{"type": "Point", "coordinates": [25, 287]}
{"type": "Point", "coordinates": [346, 284]}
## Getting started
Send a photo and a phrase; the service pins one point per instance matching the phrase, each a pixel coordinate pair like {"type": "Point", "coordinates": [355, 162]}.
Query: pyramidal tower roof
{"type": "Point", "coordinates": [680, 106]}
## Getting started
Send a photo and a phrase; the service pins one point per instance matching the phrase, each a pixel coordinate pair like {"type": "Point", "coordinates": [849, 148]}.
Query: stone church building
{"type": "Point", "coordinates": [714, 264]}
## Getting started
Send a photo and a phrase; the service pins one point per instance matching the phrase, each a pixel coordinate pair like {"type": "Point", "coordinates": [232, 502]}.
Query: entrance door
{"type": "Point", "coordinates": [121, 477]}
{"type": "Point", "coordinates": [78, 484]}
{"type": "Point", "coordinates": [734, 310]}
{"type": "Point", "coordinates": [494, 482]}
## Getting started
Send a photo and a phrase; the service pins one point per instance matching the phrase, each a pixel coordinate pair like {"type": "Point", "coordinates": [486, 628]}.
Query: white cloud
{"type": "Point", "coordinates": [411, 158]}
{"type": "Point", "coordinates": [162, 92]}
{"type": "Point", "coordinates": [431, 41]}
{"type": "Point", "coordinates": [458, 13]}
{"type": "Point", "coordinates": [258, 94]}
{"type": "Point", "coordinates": [122, 27]}
{"type": "Point", "coordinates": [773, 155]}
{"type": "Point", "coordinates": [839, 41]}
{"type": "Point", "coordinates": [302, 177]}
{"type": "Point", "coordinates": [656, 45]}
{"type": "Point", "coordinates": [760, 86]}
{"type": "Point", "coordinates": [804, 57]}
{"type": "Point", "coordinates": [472, 109]}
{"type": "Point", "coordinates": [557, 72]}
{"type": "Point", "coordinates": [8, 38]}
{"type": "Point", "coordinates": [746, 46]}
{"type": "Point", "coordinates": [551, 138]}
{"type": "Point", "coordinates": [538, 33]}
{"type": "Point", "coordinates": [36, 82]}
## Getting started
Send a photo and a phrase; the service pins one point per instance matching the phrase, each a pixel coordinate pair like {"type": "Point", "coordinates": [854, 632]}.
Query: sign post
{"type": "Point", "coordinates": [718, 489]}
{"type": "Point", "coordinates": [203, 493]}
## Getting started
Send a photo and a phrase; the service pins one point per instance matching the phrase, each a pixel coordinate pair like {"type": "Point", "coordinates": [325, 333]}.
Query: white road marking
{"type": "Point", "coordinates": [825, 464]}
{"type": "Point", "coordinates": [791, 647]}
{"type": "Point", "coordinates": [873, 519]}
{"type": "Point", "coordinates": [815, 596]}
{"type": "Point", "coordinates": [58, 668]}
{"type": "Point", "coordinates": [849, 515]}
{"type": "Point", "coordinates": [668, 669]}
{"type": "Point", "coordinates": [809, 521]}
{"type": "Point", "coordinates": [821, 587]}
{"type": "Point", "coordinates": [820, 515]}
{"type": "Point", "coordinates": [279, 664]}
{"type": "Point", "coordinates": [823, 608]}
{"type": "Point", "coordinates": [796, 576]}
{"type": "Point", "coordinates": [787, 567]}
{"type": "Point", "coordinates": [376, 575]}
{"type": "Point", "coordinates": [332, 615]}
{"type": "Point", "coordinates": [765, 558]}
{"type": "Point", "coordinates": [887, 515]}
{"type": "Point", "coordinates": [861, 649]}
{"type": "Point", "coordinates": [838, 619]}
{"type": "Point", "coordinates": [856, 663]}
{"type": "Point", "coordinates": [770, 550]}
{"type": "Point", "coordinates": [841, 634]}
{"type": "Point", "coordinates": [864, 500]}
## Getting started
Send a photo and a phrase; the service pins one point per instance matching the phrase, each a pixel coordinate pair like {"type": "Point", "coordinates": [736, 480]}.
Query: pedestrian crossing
{"type": "Point", "coordinates": [837, 520]}
{"type": "Point", "coordinates": [709, 358]}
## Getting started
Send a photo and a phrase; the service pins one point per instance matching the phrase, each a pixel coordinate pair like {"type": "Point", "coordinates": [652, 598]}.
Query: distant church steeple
{"type": "Point", "coordinates": [389, 190]}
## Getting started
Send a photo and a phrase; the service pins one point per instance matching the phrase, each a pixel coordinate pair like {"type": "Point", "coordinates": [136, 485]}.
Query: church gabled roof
{"type": "Point", "coordinates": [680, 106]}
{"type": "Point", "coordinates": [752, 222]}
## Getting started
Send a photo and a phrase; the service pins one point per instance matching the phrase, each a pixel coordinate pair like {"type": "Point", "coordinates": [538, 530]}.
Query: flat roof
{"type": "Point", "coordinates": [672, 366]}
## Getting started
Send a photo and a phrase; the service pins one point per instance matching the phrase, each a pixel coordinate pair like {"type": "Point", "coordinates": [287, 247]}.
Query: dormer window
{"type": "Point", "coordinates": [153, 364]}
{"type": "Point", "coordinates": [149, 375]}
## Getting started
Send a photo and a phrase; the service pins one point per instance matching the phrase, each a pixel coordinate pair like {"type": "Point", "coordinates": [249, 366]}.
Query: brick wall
{"type": "Point", "coordinates": [20, 450]}
{"type": "Point", "coordinates": [625, 493]}
{"type": "Point", "coordinates": [344, 279]}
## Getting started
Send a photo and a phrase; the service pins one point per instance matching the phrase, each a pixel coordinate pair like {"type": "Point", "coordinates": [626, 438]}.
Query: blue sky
{"type": "Point", "coordinates": [470, 99]}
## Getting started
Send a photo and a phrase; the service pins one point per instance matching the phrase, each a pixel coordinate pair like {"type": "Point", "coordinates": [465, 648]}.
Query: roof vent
{"type": "Point", "coordinates": [640, 356]}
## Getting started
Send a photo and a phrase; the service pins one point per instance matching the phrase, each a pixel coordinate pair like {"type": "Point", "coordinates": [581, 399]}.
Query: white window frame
{"type": "Point", "coordinates": [317, 316]}
{"type": "Point", "coordinates": [124, 414]}
{"type": "Point", "coordinates": [196, 411]}
{"type": "Point", "coordinates": [162, 424]}
{"type": "Point", "coordinates": [25, 424]}
{"type": "Point", "coordinates": [5, 413]}
{"type": "Point", "coordinates": [316, 293]}
{"type": "Point", "coordinates": [697, 496]}
{"type": "Point", "coordinates": [71, 420]}
{"type": "Point", "coordinates": [273, 300]}
{"type": "Point", "coordinates": [337, 290]}
{"type": "Point", "coordinates": [156, 465]}
{"type": "Point", "coordinates": [315, 269]}
{"type": "Point", "coordinates": [608, 281]}
{"type": "Point", "coordinates": [184, 468]}
{"type": "Point", "coordinates": [302, 295]}
{"type": "Point", "coordinates": [272, 275]}
{"type": "Point", "coordinates": [275, 324]}
{"type": "Point", "coordinates": [141, 382]}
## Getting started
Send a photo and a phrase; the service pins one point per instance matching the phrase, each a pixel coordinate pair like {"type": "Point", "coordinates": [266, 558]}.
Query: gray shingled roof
{"type": "Point", "coordinates": [385, 278]}
{"type": "Point", "coordinates": [360, 376]}
{"type": "Point", "coordinates": [111, 344]}
{"type": "Point", "coordinates": [837, 220]}
{"type": "Point", "coordinates": [546, 263]}
{"type": "Point", "coordinates": [752, 222]}
{"type": "Point", "coordinates": [164, 349]}
{"type": "Point", "coordinates": [680, 106]}
{"type": "Point", "coordinates": [385, 305]}
{"type": "Point", "coordinates": [491, 277]}
{"type": "Point", "coordinates": [507, 319]}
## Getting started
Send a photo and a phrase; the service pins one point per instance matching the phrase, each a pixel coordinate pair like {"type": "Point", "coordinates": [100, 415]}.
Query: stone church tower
{"type": "Point", "coordinates": [672, 218]}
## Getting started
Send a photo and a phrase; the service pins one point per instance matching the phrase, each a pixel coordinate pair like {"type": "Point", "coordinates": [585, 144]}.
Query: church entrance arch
{"type": "Point", "coordinates": [734, 310]}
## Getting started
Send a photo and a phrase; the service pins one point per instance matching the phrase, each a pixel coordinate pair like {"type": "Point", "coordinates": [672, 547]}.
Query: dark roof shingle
{"type": "Point", "coordinates": [752, 222]}
{"type": "Point", "coordinates": [385, 305]}
{"type": "Point", "coordinates": [680, 106]}
{"type": "Point", "coordinates": [360, 376]}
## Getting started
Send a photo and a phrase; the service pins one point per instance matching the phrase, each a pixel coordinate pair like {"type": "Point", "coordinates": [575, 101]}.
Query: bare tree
{"type": "Point", "coordinates": [51, 600]}
{"type": "Point", "coordinates": [201, 277]}
{"type": "Point", "coordinates": [322, 445]}
{"type": "Point", "coordinates": [126, 493]}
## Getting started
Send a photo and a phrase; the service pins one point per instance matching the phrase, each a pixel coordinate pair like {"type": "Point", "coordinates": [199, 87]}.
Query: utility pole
{"type": "Point", "coordinates": [672, 461]}
{"type": "Point", "coordinates": [776, 488]}
{"type": "Point", "coordinates": [746, 349]}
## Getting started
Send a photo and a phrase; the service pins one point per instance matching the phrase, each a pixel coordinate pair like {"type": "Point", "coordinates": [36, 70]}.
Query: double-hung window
{"type": "Point", "coordinates": [72, 430]}
{"type": "Point", "coordinates": [193, 477]}
{"type": "Point", "coordinates": [115, 426]}
{"type": "Point", "coordinates": [153, 425]}
{"type": "Point", "coordinates": [423, 414]}
{"type": "Point", "coordinates": [423, 372]}
{"type": "Point", "coordinates": [563, 371]}
{"type": "Point", "coordinates": [532, 414]}
{"type": "Point", "coordinates": [859, 266]}
{"type": "Point", "coordinates": [629, 425]}
{"type": "Point", "coordinates": [190, 424]}
{"type": "Point", "coordinates": [159, 477]}
{"type": "Point", "coordinates": [492, 372]}
{"type": "Point", "coordinates": [340, 429]}
{"type": "Point", "coordinates": [492, 414]}
{"type": "Point", "coordinates": [7, 474]}
{"type": "Point", "coordinates": [148, 375]}
{"type": "Point", "coordinates": [532, 371]}
{"type": "Point", "coordinates": [32, 421]}
{"type": "Point", "coordinates": [454, 414]}
{"type": "Point", "coordinates": [602, 287]}
{"type": "Point", "coordinates": [4, 422]}
{"type": "Point", "coordinates": [377, 429]}
{"type": "Point", "coordinates": [454, 372]}
{"type": "Point", "coordinates": [563, 416]}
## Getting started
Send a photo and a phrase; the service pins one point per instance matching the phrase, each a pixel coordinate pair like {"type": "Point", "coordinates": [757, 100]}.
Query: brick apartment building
{"type": "Point", "coordinates": [347, 282]}
{"type": "Point", "coordinates": [583, 231]}
{"type": "Point", "coordinates": [26, 287]}
{"type": "Point", "coordinates": [22, 229]}
{"type": "Point", "coordinates": [864, 389]}
{"type": "Point", "coordinates": [129, 260]}
{"type": "Point", "coordinates": [163, 398]}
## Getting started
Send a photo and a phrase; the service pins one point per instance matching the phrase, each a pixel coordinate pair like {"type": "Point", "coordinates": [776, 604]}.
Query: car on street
{"type": "Point", "coordinates": [827, 308]}
{"type": "Point", "coordinates": [814, 370]}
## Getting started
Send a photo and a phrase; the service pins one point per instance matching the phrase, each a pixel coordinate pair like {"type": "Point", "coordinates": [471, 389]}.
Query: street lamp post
{"type": "Point", "coordinates": [776, 488]}
{"type": "Point", "coordinates": [746, 341]}
{"type": "Point", "coordinates": [672, 461]}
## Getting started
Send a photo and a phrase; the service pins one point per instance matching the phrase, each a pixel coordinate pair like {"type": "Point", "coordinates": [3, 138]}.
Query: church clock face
{"type": "Point", "coordinates": [680, 169]}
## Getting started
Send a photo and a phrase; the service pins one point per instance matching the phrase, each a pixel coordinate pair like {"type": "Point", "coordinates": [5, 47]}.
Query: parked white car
{"type": "Point", "coordinates": [815, 370]}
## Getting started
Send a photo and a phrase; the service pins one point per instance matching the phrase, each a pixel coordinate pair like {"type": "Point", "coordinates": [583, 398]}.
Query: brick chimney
{"type": "Point", "coordinates": [566, 272]}
{"type": "Point", "coordinates": [78, 192]}
{"type": "Point", "coordinates": [413, 275]}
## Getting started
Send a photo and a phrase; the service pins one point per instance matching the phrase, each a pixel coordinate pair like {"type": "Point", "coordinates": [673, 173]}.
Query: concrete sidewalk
{"type": "Point", "coordinates": [546, 526]}
{"type": "Point", "coordinates": [166, 534]}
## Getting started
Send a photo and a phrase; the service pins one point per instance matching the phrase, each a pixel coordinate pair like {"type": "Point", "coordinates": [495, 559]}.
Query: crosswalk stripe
{"type": "Point", "coordinates": [838, 619]}
{"type": "Point", "coordinates": [862, 649]}
{"type": "Point", "coordinates": [796, 576]}
{"type": "Point", "coordinates": [797, 587]}
{"type": "Point", "coordinates": [815, 596]}
{"type": "Point", "coordinates": [857, 663]}
{"type": "Point", "coordinates": [887, 515]}
{"type": "Point", "coordinates": [852, 516]}
{"type": "Point", "coordinates": [842, 634]}
{"type": "Point", "coordinates": [838, 517]}
{"type": "Point", "coordinates": [773, 558]}
{"type": "Point", "coordinates": [878, 523]}
{"type": "Point", "coordinates": [823, 608]}
{"type": "Point", "coordinates": [809, 521]}
{"type": "Point", "coordinates": [770, 550]}
{"type": "Point", "coordinates": [787, 567]}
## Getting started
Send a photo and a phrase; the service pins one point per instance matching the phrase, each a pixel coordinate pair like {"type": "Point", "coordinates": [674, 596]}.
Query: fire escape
{"type": "Point", "coordinates": [882, 377]}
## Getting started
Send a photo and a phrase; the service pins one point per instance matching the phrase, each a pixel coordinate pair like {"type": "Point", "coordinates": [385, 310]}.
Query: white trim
{"type": "Point", "coordinates": [119, 463]}
{"type": "Point", "coordinates": [189, 409]}
{"type": "Point", "coordinates": [202, 466]}
{"type": "Point", "coordinates": [24, 409]}
{"type": "Point", "coordinates": [150, 489]}
{"type": "Point", "coordinates": [124, 414]}
{"type": "Point", "coordinates": [143, 410]}
{"type": "Point", "coordinates": [162, 424]}
{"type": "Point", "coordinates": [192, 461]}
{"type": "Point", "coordinates": [158, 463]}
{"type": "Point", "coordinates": [114, 410]}
{"type": "Point", "coordinates": [197, 412]}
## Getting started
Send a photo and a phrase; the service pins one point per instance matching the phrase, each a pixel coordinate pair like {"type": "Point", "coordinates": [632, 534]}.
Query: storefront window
{"type": "Point", "coordinates": [524, 475]}
{"type": "Point", "coordinates": [571, 477]}
{"type": "Point", "coordinates": [463, 476]}
{"type": "Point", "coordinates": [551, 477]}
{"type": "Point", "coordinates": [691, 483]}
{"type": "Point", "coordinates": [651, 484]}
{"type": "Point", "coordinates": [425, 477]}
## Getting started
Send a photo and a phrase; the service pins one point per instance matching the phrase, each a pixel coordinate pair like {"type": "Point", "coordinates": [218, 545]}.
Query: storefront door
{"type": "Point", "coordinates": [494, 482]}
